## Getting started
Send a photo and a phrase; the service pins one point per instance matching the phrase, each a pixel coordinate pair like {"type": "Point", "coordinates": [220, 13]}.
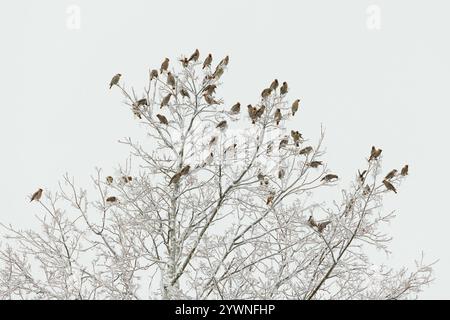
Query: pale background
{"type": "Point", "coordinates": [387, 86]}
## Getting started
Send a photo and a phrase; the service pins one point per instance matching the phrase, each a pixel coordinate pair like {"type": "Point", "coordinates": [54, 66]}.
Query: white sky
{"type": "Point", "coordinates": [387, 87]}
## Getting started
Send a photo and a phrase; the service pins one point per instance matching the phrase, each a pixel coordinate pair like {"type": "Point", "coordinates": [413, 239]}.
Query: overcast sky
{"type": "Point", "coordinates": [369, 81]}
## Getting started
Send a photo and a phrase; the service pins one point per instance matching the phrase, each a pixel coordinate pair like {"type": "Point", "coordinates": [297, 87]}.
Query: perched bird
{"type": "Point", "coordinates": [207, 62]}
{"type": "Point", "coordinates": [277, 116]}
{"type": "Point", "coordinates": [389, 186]}
{"type": "Point", "coordinates": [260, 112]}
{"type": "Point", "coordinates": [261, 178]}
{"type": "Point", "coordinates": [296, 136]}
{"type": "Point", "coordinates": [322, 225]}
{"type": "Point", "coordinates": [235, 109]}
{"type": "Point", "coordinates": [374, 153]}
{"type": "Point", "coordinates": [284, 88]}
{"type": "Point", "coordinates": [194, 57]}
{"type": "Point", "coordinates": [274, 85]}
{"type": "Point", "coordinates": [404, 171]}
{"type": "Point", "coordinates": [213, 141]}
{"type": "Point", "coordinates": [136, 111]}
{"type": "Point", "coordinates": [270, 199]}
{"type": "Point", "coordinates": [184, 61]}
{"type": "Point", "coordinates": [294, 106]}
{"type": "Point", "coordinates": [312, 223]}
{"type": "Point", "coordinates": [209, 159]}
{"type": "Point", "coordinates": [281, 173]}
{"type": "Point", "coordinates": [111, 199]}
{"type": "Point", "coordinates": [164, 65]}
{"type": "Point", "coordinates": [162, 119]}
{"type": "Point", "coordinates": [153, 74]}
{"type": "Point", "coordinates": [366, 190]}
{"type": "Point", "coordinates": [37, 195]}
{"type": "Point", "coordinates": [329, 177]}
{"type": "Point", "coordinates": [184, 93]}
{"type": "Point", "coordinates": [175, 179]}
{"type": "Point", "coordinates": [362, 175]}
{"type": "Point", "coordinates": [283, 143]}
{"type": "Point", "coordinates": [114, 80]}
{"type": "Point", "coordinates": [266, 92]}
{"type": "Point", "coordinates": [252, 113]}
{"type": "Point", "coordinates": [185, 170]}
{"type": "Point", "coordinates": [127, 179]}
{"type": "Point", "coordinates": [210, 100]}
{"type": "Point", "coordinates": [109, 179]}
{"type": "Point", "coordinates": [305, 151]}
{"type": "Point", "coordinates": [210, 89]}
{"type": "Point", "coordinates": [315, 164]}
{"type": "Point", "coordinates": [222, 125]}
{"type": "Point", "coordinates": [171, 80]}
{"type": "Point", "coordinates": [141, 102]}
{"type": "Point", "coordinates": [391, 174]}
{"type": "Point", "coordinates": [224, 61]}
{"type": "Point", "coordinates": [165, 100]}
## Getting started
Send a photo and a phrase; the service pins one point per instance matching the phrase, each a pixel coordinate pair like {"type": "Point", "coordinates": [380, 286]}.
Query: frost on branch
{"type": "Point", "coordinates": [217, 205]}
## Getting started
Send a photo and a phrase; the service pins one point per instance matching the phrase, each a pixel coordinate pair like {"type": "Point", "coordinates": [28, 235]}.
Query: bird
{"type": "Point", "coordinates": [230, 149]}
{"type": "Point", "coordinates": [277, 116]}
{"type": "Point", "coordinates": [260, 112]}
{"type": "Point", "coordinates": [284, 88]}
{"type": "Point", "coordinates": [109, 179]}
{"type": "Point", "coordinates": [274, 85]}
{"type": "Point", "coordinates": [283, 142]}
{"type": "Point", "coordinates": [210, 89]}
{"type": "Point", "coordinates": [185, 170]}
{"type": "Point", "coordinates": [37, 195]}
{"type": "Point", "coordinates": [315, 164]}
{"type": "Point", "coordinates": [296, 136]}
{"type": "Point", "coordinates": [322, 225]}
{"type": "Point", "coordinates": [162, 119]}
{"type": "Point", "coordinates": [171, 80]}
{"type": "Point", "coordinates": [127, 179]}
{"type": "Point", "coordinates": [175, 179]}
{"type": "Point", "coordinates": [236, 108]}
{"type": "Point", "coordinates": [270, 198]}
{"type": "Point", "coordinates": [213, 141]}
{"type": "Point", "coordinates": [312, 222]}
{"type": "Point", "coordinates": [329, 177]}
{"type": "Point", "coordinates": [224, 61]}
{"type": "Point", "coordinates": [208, 160]}
{"type": "Point", "coordinates": [136, 111]}
{"type": "Point", "coordinates": [218, 72]}
{"type": "Point", "coordinates": [210, 100]}
{"type": "Point", "coordinates": [222, 125]}
{"type": "Point", "coordinates": [252, 112]}
{"type": "Point", "coordinates": [305, 151]}
{"type": "Point", "coordinates": [111, 199]}
{"type": "Point", "coordinates": [366, 190]}
{"type": "Point", "coordinates": [404, 171]}
{"type": "Point", "coordinates": [165, 100]}
{"type": "Point", "coordinates": [184, 93]}
{"type": "Point", "coordinates": [207, 62]}
{"type": "Point", "coordinates": [261, 178]}
{"type": "Point", "coordinates": [114, 80]}
{"type": "Point", "coordinates": [294, 106]}
{"type": "Point", "coordinates": [391, 174]}
{"type": "Point", "coordinates": [141, 102]}
{"type": "Point", "coordinates": [266, 92]}
{"type": "Point", "coordinates": [194, 57]}
{"type": "Point", "coordinates": [164, 65]}
{"type": "Point", "coordinates": [389, 186]}
{"type": "Point", "coordinates": [374, 153]}
{"type": "Point", "coordinates": [153, 74]}
{"type": "Point", "coordinates": [281, 173]}
{"type": "Point", "coordinates": [184, 61]}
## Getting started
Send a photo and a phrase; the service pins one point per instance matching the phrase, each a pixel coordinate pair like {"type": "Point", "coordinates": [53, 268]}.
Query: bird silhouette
{"type": "Point", "coordinates": [185, 170]}
{"type": "Point", "coordinates": [165, 100]}
{"type": "Point", "coordinates": [284, 88]}
{"type": "Point", "coordinates": [389, 186]}
{"type": "Point", "coordinates": [210, 89]}
{"type": "Point", "coordinates": [111, 199]}
{"type": "Point", "coordinates": [296, 136]}
{"type": "Point", "coordinates": [404, 171]}
{"type": "Point", "coordinates": [329, 177]}
{"type": "Point", "coordinates": [171, 80]}
{"type": "Point", "coordinates": [277, 116]}
{"type": "Point", "coordinates": [252, 113]}
{"type": "Point", "coordinates": [209, 159]}
{"type": "Point", "coordinates": [37, 195]}
{"type": "Point", "coordinates": [374, 153]}
{"type": "Point", "coordinates": [153, 74]}
{"type": "Point", "coordinates": [194, 57]}
{"type": "Point", "coordinates": [184, 93]}
{"type": "Point", "coordinates": [305, 151]}
{"type": "Point", "coordinates": [281, 173]}
{"type": "Point", "coordinates": [322, 225]}
{"type": "Point", "coordinates": [362, 175]}
{"type": "Point", "coordinates": [312, 223]}
{"type": "Point", "coordinates": [236, 108]}
{"type": "Point", "coordinates": [283, 143]}
{"type": "Point", "coordinates": [266, 92]}
{"type": "Point", "coordinates": [274, 85]}
{"type": "Point", "coordinates": [207, 62]}
{"type": "Point", "coordinates": [162, 119]}
{"type": "Point", "coordinates": [184, 62]}
{"type": "Point", "coordinates": [294, 106]}
{"type": "Point", "coordinates": [109, 179]}
{"type": "Point", "coordinates": [114, 80]}
{"type": "Point", "coordinates": [391, 174]}
{"type": "Point", "coordinates": [224, 61]}
{"type": "Point", "coordinates": [175, 179]}
{"type": "Point", "coordinates": [315, 164]}
{"type": "Point", "coordinates": [222, 125]}
{"type": "Point", "coordinates": [164, 65]}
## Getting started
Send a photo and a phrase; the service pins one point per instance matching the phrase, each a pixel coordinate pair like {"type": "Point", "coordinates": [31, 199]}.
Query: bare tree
{"type": "Point", "coordinates": [218, 205]}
